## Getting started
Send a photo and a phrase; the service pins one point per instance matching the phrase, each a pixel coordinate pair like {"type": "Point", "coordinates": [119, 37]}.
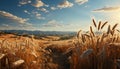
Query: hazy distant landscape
{"type": "Point", "coordinates": [40, 33]}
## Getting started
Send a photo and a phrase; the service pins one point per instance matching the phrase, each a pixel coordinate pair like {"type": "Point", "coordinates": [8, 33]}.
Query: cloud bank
{"type": "Point", "coordinates": [81, 1]}
{"type": "Point", "coordinates": [52, 23]}
{"type": "Point", "coordinates": [38, 3]}
{"type": "Point", "coordinates": [107, 9]}
{"type": "Point", "coordinates": [65, 4]}
{"type": "Point", "coordinates": [12, 17]}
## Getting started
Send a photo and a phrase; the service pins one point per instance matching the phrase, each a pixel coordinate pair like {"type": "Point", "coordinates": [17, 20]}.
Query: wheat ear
{"type": "Point", "coordinates": [104, 24]}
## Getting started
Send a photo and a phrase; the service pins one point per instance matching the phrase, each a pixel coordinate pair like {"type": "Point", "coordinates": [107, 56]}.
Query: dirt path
{"type": "Point", "coordinates": [58, 58]}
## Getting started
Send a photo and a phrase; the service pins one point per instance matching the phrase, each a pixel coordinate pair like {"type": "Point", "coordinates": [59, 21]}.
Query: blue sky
{"type": "Point", "coordinates": [56, 15]}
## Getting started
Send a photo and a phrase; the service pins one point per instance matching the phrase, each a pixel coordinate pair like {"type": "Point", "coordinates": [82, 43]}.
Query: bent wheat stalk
{"type": "Point", "coordinates": [104, 24]}
{"type": "Point", "coordinates": [113, 28]}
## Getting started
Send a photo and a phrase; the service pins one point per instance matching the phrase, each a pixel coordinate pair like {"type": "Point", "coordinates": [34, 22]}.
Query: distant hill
{"type": "Point", "coordinates": [40, 33]}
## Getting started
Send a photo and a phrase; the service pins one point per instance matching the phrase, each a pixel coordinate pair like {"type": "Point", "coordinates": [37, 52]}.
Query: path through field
{"type": "Point", "coordinates": [57, 60]}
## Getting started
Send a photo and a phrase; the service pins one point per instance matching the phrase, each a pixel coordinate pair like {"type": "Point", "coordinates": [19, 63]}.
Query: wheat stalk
{"type": "Point", "coordinates": [112, 32]}
{"type": "Point", "coordinates": [99, 25]}
{"type": "Point", "coordinates": [97, 42]}
{"type": "Point", "coordinates": [83, 38]}
{"type": "Point", "coordinates": [92, 31]}
{"type": "Point", "coordinates": [117, 38]}
{"type": "Point", "coordinates": [87, 35]}
{"type": "Point", "coordinates": [113, 28]}
{"type": "Point", "coordinates": [94, 22]}
{"type": "Point", "coordinates": [78, 33]}
{"type": "Point", "coordinates": [102, 37]}
{"type": "Point", "coordinates": [104, 24]}
{"type": "Point", "coordinates": [113, 39]}
{"type": "Point", "coordinates": [118, 30]}
{"type": "Point", "coordinates": [108, 31]}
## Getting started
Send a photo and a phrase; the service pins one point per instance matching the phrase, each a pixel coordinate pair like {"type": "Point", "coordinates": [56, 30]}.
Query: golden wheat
{"type": "Point", "coordinates": [104, 24]}
{"type": "Point", "coordinates": [99, 52]}
{"type": "Point", "coordinates": [109, 29]}
{"type": "Point", "coordinates": [113, 28]}
{"type": "Point", "coordinates": [78, 34]}
{"type": "Point", "coordinates": [91, 30]}
{"type": "Point", "coordinates": [94, 22]}
{"type": "Point", "coordinates": [99, 25]}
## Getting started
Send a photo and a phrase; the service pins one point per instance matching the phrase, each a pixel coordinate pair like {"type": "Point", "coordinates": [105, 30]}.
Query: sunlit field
{"type": "Point", "coordinates": [19, 52]}
{"type": "Point", "coordinates": [99, 49]}
{"type": "Point", "coordinates": [59, 34]}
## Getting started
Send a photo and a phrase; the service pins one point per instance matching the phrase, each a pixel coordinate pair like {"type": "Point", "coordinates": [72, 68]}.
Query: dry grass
{"type": "Point", "coordinates": [22, 53]}
{"type": "Point", "coordinates": [88, 51]}
{"type": "Point", "coordinates": [101, 51]}
{"type": "Point", "coordinates": [29, 53]}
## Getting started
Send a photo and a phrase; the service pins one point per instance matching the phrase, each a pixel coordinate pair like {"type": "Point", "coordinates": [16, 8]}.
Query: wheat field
{"type": "Point", "coordinates": [95, 49]}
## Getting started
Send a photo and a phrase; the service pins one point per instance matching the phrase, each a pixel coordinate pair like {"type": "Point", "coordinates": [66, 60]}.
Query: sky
{"type": "Point", "coordinates": [56, 15]}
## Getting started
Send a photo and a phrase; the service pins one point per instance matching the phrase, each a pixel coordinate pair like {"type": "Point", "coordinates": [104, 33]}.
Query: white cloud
{"type": "Point", "coordinates": [35, 14]}
{"type": "Point", "coordinates": [44, 10]}
{"type": "Point", "coordinates": [107, 9]}
{"type": "Point", "coordinates": [53, 8]}
{"type": "Point", "coordinates": [81, 1]}
{"type": "Point", "coordinates": [52, 23]}
{"type": "Point", "coordinates": [65, 4]}
{"type": "Point", "coordinates": [26, 12]}
{"type": "Point", "coordinates": [23, 2]}
{"type": "Point", "coordinates": [5, 25]}
{"type": "Point", "coordinates": [40, 18]}
{"type": "Point", "coordinates": [47, 5]}
{"type": "Point", "coordinates": [38, 15]}
{"type": "Point", "coordinates": [12, 17]}
{"type": "Point", "coordinates": [29, 24]}
{"type": "Point", "coordinates": [13, 22]}
{"type": "Point", "coordinates": [38, 3]}
{"type": "Point", "coordinates": [17, 27]}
